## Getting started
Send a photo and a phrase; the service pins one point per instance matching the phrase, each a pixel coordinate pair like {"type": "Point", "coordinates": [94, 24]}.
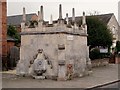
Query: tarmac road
{"type": "Point", "coordinates": [100, 76]}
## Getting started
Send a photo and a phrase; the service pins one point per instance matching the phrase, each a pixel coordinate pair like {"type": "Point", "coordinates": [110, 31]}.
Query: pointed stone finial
{"type": "Point", "coordinates": [38, 16]}
{"type": "Point", "coordinates": [73, 14]}
{"type": "Point", "coordinates": [41, 13]}
{"type": "Point", "coordinates": [24, 15]}
{"type": "Point", "coordinates": [83, 19]}
{"type": "Point", "coordinates": [60, 11]}
{"type": "Point", "coordinates": [83, 13]}
{"type": "Point", "coordinates": [40, 22]}
{"type": "Point", "coordinates": [67, 18]}
{"type": "Point", "coordinates": [51, 21]}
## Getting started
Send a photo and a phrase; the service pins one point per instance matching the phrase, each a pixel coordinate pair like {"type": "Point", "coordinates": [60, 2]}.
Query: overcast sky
{"type": "Point", "coordinates": [51, 7]}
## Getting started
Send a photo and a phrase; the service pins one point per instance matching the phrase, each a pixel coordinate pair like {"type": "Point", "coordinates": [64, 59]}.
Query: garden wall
{"type": "Point", "coordinates": [100, 62]}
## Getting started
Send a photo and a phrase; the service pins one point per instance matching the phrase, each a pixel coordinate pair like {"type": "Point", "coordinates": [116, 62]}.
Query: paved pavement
{"type": "Point", "coordinates": [113, 85]}
{"type": "Point", "coordinates": [100, 76]}
{"type": "Point", "coordinates": [109, 86]}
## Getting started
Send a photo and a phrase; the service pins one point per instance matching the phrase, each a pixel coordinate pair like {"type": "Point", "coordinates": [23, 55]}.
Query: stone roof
{"type": "Point", "coordinates": [103, 17]}
{"type": "Point", "coordinates": [17, 19]}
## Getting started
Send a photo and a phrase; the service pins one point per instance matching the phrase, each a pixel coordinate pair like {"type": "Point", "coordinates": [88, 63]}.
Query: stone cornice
{"type": "Point", "coordinates": [53, 32]}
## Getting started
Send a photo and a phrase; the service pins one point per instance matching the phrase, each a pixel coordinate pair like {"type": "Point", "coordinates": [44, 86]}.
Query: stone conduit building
{"type": "Point", "coordinates": [63, 42]}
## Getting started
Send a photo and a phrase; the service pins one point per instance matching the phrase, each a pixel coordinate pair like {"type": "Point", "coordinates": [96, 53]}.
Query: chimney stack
{"type": "Point", "coordinates": [73, 15]}
{"type": "Point", "coordinates": [24, 15]}
{"type": "Point", "coordinates": [41, 13]}
{"type": "Point", "coordinates": [60, 11]}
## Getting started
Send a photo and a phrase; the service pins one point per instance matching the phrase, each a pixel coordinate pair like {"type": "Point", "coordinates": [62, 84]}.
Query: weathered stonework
{"type": "Point", "coordinates": [66, 48]}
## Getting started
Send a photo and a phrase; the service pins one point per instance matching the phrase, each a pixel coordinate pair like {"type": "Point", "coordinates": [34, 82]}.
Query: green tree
{"type": "Point", "coordinates": [11, 31]}
{"type": "Point", "coordinates": [98, 33]}
{"type": "Point", "coordinates": [95, 54]}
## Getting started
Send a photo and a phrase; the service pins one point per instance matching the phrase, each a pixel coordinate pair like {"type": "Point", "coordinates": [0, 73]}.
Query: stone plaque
{"type": "Point", "coordinates": [61, 46]}
{"type": "Point", "coordinates": [70, 37]}
{"type": "Point", "coordinates": [61, 62]}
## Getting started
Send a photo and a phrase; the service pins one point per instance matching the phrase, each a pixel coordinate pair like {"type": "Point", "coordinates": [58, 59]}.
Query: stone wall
{"type": "Point", "coordinates": [100, 62]}
{"type": "Point", "coordinates": [117, 59]}
{"type": "Point", "coordinates": [75, 49]}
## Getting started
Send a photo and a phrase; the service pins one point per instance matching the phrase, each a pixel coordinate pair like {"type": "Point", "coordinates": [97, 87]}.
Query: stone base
{"type": "Point", "coordinates": [61, 79]}
{"type": "Point", "coordinates": [39, 77]}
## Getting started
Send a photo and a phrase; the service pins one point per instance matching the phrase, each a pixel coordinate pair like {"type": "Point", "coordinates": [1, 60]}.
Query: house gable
{"type": "Point", "coordinates": [113, 25]}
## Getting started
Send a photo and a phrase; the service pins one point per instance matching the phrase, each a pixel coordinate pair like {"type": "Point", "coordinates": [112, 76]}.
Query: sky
{"type": "Point", "coordinates": [14, 7]}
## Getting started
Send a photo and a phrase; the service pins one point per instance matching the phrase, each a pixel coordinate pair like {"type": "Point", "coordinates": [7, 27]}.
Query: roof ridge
{"type": "Point", "coordinates": [96, 15]}
{"type": "Point", "coordinates": [21, 14]}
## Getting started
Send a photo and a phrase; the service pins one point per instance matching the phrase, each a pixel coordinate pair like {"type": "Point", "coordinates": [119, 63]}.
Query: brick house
{"type": "Point", "coordinates": [10, 43]}
{"type": "Point", "coordinates": [3, 33]}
